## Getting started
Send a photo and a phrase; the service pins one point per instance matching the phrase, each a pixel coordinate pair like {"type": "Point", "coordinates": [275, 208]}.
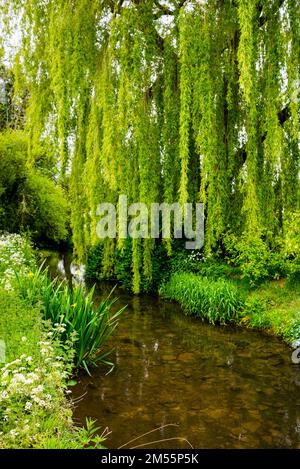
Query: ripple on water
{"type": "Point", "coordinates": [223, 387]}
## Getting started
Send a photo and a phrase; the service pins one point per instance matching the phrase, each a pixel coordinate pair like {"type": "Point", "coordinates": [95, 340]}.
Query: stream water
{"type": "Point", "coordinates": [219, 387]}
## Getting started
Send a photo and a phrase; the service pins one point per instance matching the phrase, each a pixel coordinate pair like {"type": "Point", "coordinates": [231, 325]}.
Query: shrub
{"type": "Point", "coordinates": [216, 301]}
{"type": "Point", "coordinates": [255, 259]}
{"type": "Point", "coordinates": [44, 208]}
{"type": "Point", "coordinates": [13, 148]}
{"type": "Point", "coordinates": [293, 272]}
{"type": "Point", "coordinates": [29, 201]}
{"type": "Point", "coordinates": [195, 262]}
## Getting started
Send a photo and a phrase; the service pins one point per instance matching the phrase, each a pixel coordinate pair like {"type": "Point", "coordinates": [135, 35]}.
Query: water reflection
{"type": "Point", "coordinates": [223, 387]}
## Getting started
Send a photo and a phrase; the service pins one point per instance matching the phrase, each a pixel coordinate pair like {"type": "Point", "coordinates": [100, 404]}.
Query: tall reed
{"type": "Point", "coordinates": [87, 326]}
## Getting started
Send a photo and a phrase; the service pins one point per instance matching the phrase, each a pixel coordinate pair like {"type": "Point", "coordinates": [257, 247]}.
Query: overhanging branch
{"type": "Point", "coordinates": [283, 116]}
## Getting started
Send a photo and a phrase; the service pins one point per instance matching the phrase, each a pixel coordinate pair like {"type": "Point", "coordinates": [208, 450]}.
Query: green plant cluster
{"type": "Point", "coordinates": [37, 365]}
{"type": "Point", "coordinates": [273, 305]}
{"type": "Point", "coordinates": [197, 262]}
{"type": "Point", "coordinates": [29, 200]}
{"type": "Point", "coordinates": [122, 266]}
{"type": "Point", "coordinates": [218, 301]}
{"type": "Point", "coordinates": [258, 262]}
{"type": "Point", "coordinates": [87, 327]}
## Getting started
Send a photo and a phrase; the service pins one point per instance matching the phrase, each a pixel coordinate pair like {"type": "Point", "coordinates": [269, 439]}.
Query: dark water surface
{"type": "Point", "coordinates": [223, 387]}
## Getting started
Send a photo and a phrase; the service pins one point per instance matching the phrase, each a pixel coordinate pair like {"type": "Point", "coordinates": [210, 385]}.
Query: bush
{"type": "Point", "coordinates": [13, 148]}
{"type": "Point", "coordinates": [293, 271]}
{"type": "Point", "coordinates": [255, 259]}
{"type": "Point", "coordinates": [195, 262]}
{"type": "Point", "coordinates": [216, 301]}
{"type": "Point", "coordinates": [29, 201]}
{"type": "Point", "coordinates": [44, 209]}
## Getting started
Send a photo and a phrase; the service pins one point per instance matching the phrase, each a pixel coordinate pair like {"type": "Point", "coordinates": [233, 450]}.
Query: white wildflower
{"type": "Point", "coordinates": [28, 405]}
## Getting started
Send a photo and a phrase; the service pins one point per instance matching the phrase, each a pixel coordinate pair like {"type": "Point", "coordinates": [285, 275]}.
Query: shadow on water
{"type": "Point", "coordinates": [223, 387]}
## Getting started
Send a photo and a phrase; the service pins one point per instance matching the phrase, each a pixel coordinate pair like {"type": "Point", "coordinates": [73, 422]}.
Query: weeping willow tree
{"type": "Point", "coordinates": [166, 101]}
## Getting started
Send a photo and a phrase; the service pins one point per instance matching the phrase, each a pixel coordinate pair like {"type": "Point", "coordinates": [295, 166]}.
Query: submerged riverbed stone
{"type": "Point", "coordinates": [185, 357]}
{"type": "Point", "coordinates": [169, 358]}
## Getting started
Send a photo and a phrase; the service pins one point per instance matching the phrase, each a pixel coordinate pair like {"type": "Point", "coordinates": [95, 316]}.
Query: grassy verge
{"type": "Point", "coordinates": [34, 410]}
{"type": "Point", "coordinates": [273, 306]}
{"type": "Point", "coordinates": [37, 358]}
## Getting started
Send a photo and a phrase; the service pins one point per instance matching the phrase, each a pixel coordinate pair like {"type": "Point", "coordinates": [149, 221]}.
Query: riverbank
{"type": "Point", "coordinates": [157, 349]}
{"type": "Point", "coordinates": [261, 294]}
{"type": "Point", "coordinates": [273, 306]}
{"type": "Point", "coordinates": [36, 364]}
{"type": "Point", "coordinates": [224, 387]}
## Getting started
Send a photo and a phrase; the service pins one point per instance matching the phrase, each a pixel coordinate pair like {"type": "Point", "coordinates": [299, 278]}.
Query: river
{"type": "Point", "coordinates": [189, 383]}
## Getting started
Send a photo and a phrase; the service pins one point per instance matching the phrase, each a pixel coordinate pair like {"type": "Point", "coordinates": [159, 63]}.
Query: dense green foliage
{"type": "Point", "coordinates": [122, 266]}
{"type": "Point", "coordinates": [217, 301]}
{"type": "Point", "coordinates": [29, 200]}
{"type": "Point", "coordinates": [38, 364]}
{"type": "Point", "coordinates": [168, 101]}
{"type": "Point", "coordinates": [88, 328]}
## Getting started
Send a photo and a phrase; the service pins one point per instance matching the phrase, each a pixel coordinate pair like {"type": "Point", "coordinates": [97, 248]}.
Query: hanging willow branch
{"type": "Point", "coordinates": [166, 102]}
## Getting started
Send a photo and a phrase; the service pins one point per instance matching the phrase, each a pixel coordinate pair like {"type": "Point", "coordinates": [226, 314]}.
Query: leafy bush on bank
{"type": "Point", "coordinates": [29, 200]}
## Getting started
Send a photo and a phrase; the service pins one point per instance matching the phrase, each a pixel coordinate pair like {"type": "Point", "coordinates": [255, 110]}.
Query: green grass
{"type": "Point", "coordinates": [218, 301]}
{"type": "Point", "coordinates": [34, 410]}
{"type": "Point", "coordinates": [273, 306]}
